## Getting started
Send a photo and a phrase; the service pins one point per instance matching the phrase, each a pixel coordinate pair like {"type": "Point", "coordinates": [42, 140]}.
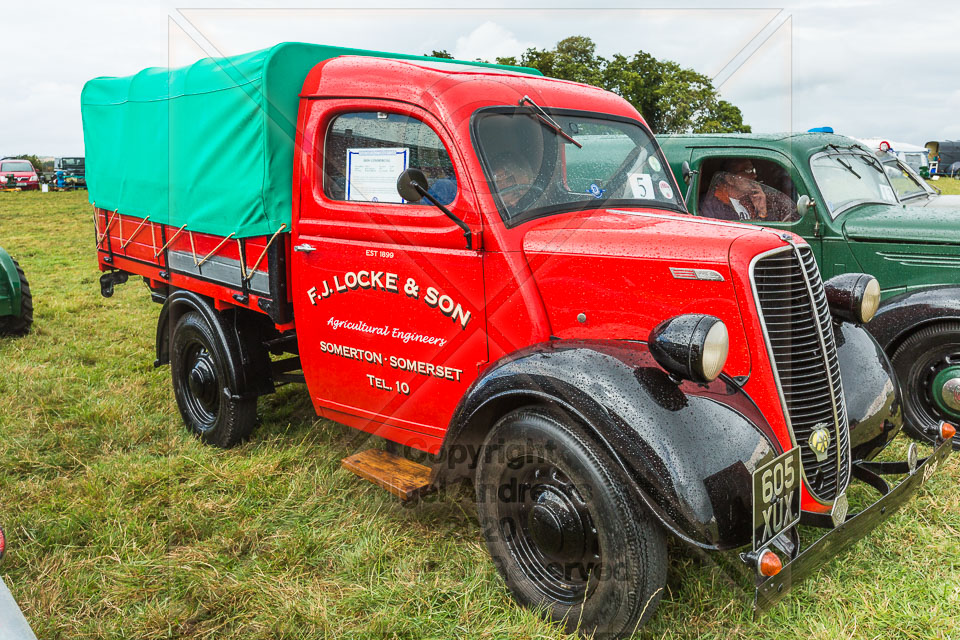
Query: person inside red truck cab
{"type": "Point", "coordinates": [512, 177]}
{"type": "Point", "coordinates": [735, 194]}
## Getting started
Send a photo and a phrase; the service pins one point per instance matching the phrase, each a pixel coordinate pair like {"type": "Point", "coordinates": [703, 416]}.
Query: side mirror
{"type": "Point", "coordinates": [412, 184]}
{"type": "Point", "coordinates": [687, 174]}
{"type": "Point", "coordinates": [804, 204]}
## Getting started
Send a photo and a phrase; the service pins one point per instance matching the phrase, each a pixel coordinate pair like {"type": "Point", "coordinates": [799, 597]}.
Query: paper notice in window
{"type": "Point", "coordinates": [372, 173]}
{"type": "Point", "coordinates": [641, 186]}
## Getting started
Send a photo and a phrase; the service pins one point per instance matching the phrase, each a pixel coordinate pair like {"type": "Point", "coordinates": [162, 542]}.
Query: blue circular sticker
{"type": "Point", "coordinates": [595, 190]}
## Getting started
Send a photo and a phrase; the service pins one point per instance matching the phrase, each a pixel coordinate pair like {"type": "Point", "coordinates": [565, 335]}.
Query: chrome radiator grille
{"type": "Point", "coordinates": [799, 334]}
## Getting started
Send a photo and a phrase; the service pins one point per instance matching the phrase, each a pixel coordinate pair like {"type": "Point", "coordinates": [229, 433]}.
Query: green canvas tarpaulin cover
{"type": "Point", "coordinates": [210, 145]}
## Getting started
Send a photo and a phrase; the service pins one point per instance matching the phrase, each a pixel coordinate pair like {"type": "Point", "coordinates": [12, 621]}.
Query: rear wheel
{"type": "Point", "coordinates": [20, 324]}
{"type": "Point", "coordinates": [201, 384]}
{"type": "Point", "coordinates": [562, 527]}
{"type": "Point", "coordinates": [928, 365]}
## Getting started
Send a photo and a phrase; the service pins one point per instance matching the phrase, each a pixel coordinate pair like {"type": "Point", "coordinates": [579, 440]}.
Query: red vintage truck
{"type": "Point", "coordinates": [497, 269]}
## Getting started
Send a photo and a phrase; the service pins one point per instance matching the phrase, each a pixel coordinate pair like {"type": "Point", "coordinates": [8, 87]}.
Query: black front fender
{"type": "Point", "coordinates": [690, 450]}
{"type": "Point", "coordinates": [874, 406]}
{"type": "Point", "coordinates": [902, 315]}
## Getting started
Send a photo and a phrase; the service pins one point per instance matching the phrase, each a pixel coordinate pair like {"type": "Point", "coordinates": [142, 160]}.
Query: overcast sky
{"type": "Point", "coordinates": [869, 69]}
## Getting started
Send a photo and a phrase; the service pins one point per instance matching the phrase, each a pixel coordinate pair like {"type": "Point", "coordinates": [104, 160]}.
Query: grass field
{"type": "Point", "coordinates": [121, 525]}
{"type": "Point", "coordinates": [949, 186]}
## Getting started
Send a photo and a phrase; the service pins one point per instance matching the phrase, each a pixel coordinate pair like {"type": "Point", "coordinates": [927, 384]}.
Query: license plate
{"type": "Point", "coordinates": [776, 497]}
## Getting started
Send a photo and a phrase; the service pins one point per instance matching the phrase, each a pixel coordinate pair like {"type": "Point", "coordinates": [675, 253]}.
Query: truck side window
{"type": "Point", "coordinates": [747, 189]}
{"type": "Point", "coordinates": [365, 153]}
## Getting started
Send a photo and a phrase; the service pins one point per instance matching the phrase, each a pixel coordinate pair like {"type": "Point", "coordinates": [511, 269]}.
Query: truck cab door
{"type": "Point", "coordinates": [388, 300]}
{"type": "Point", "coordinates": [775, 171]}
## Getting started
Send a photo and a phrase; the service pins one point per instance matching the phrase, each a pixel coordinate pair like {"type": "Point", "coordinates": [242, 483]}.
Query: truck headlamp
{"type": "Point", "coordinates": [853, 296]}
{"type": "Point", "coordinates": [692, 346]}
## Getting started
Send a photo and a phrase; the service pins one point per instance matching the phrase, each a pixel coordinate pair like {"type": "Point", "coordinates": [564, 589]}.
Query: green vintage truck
{"type": "Point", "coordinates": [834, 192]}
{"type": "Point", "coordinates": [16, 303]}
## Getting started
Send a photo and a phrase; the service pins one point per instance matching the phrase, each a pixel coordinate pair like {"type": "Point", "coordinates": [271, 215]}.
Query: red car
{"type": "Point", "coordinates": [22, 171]}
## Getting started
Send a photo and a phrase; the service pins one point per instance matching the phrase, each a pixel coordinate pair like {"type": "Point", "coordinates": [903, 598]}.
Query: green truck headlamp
{"type": "Point", "coordinates": [692, 346]}
{"type": "Point", "coordinates": [853, 296]}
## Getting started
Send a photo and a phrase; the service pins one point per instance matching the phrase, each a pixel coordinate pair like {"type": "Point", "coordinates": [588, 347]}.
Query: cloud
{"type": "Point", "coordinates": [489, 41]}
{"type": "Point", "coordinates": [868, 68]}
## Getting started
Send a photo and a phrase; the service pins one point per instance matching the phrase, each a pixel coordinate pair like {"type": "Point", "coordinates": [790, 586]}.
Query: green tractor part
{"type": "Point", "coordinates": [16, 303]}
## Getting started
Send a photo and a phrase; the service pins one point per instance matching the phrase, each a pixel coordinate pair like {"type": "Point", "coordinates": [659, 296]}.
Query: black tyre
{"type": "Point", "coordinates": [19, 325]}
{"type": "Point", "coordinates": [201, 385]}
{"type": "Point", "coordinates": [928, 366]}
{"type": "Point", "coordinates": [564, 530]}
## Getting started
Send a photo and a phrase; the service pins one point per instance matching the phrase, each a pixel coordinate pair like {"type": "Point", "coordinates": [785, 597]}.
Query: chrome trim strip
{"type": "Point", "coordinates": [694, 273]}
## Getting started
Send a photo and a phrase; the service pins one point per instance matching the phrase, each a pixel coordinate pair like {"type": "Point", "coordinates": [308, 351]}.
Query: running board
{"type": "Point", "coordinates": [403, 478]}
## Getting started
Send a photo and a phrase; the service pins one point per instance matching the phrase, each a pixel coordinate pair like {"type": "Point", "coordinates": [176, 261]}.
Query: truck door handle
{"type": "Point", "coordinates": [304, 248]}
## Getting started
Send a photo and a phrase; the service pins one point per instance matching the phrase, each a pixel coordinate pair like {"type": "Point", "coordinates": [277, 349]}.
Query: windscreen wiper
{"type": "Point", "coordinates": [867, 160]}
{"type": "Point", "coordinates": [843, 162]}
{"type": "Point", "coordinates": [547, 120]}
{"type": "Point", "coordinates": [848, 167]}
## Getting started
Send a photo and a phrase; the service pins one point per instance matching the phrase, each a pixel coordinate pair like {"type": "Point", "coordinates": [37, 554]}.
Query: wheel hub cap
{"type": "Point", "coordinates": [556, 526]}
{"type": "Point", "coordinates": [202, 379]}
{"type": "Point", "coordinates": [946, 390]}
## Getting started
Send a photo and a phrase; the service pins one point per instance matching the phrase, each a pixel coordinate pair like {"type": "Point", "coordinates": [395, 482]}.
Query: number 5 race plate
{"type": "Point", "coordinates": [776, 497]}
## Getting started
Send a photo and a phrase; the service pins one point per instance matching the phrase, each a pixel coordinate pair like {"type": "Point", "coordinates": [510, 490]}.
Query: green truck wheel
{"type": "Point", "coordinates": [16, 302]}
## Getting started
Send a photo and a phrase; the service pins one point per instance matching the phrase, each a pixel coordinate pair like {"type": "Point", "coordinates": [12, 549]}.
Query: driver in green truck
{"type": "Point", "coordinates": [735, 194]}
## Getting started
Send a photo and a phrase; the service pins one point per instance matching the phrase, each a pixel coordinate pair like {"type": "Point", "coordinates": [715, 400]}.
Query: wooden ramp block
{"type": "Point", "coordinates": [401, 477]}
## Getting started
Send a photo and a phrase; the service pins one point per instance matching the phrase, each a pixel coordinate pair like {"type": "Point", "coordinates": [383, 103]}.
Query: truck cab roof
{"type": "Point", "coordinates": [453, 88]}
{"type": "Point", "coordinates": [800, 143]}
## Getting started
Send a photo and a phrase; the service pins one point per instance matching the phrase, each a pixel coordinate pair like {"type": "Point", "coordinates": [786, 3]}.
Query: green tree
{"type": "Point", "coordinates": [443, 53]}
{"type": "Point", "coordinates": [671, 98]}
{"type": "Point", "coordinates": [722, 117]}
{"type": "Point", "coordinates": [574, 58]}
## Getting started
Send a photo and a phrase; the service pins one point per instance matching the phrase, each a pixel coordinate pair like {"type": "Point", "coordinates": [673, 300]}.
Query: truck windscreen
{"type": "Point", "coordinates": [849, 179]}
{"type": "Point", "coordinates": [532, 170]}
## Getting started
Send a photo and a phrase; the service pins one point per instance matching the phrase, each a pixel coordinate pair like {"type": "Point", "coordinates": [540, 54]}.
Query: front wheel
{"type": "Point", "coordinates": [563, 529]}
{"type": "Point", "coordinates": [199, 367]}
{"type": "Point", "coordinates": [928, 366]}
